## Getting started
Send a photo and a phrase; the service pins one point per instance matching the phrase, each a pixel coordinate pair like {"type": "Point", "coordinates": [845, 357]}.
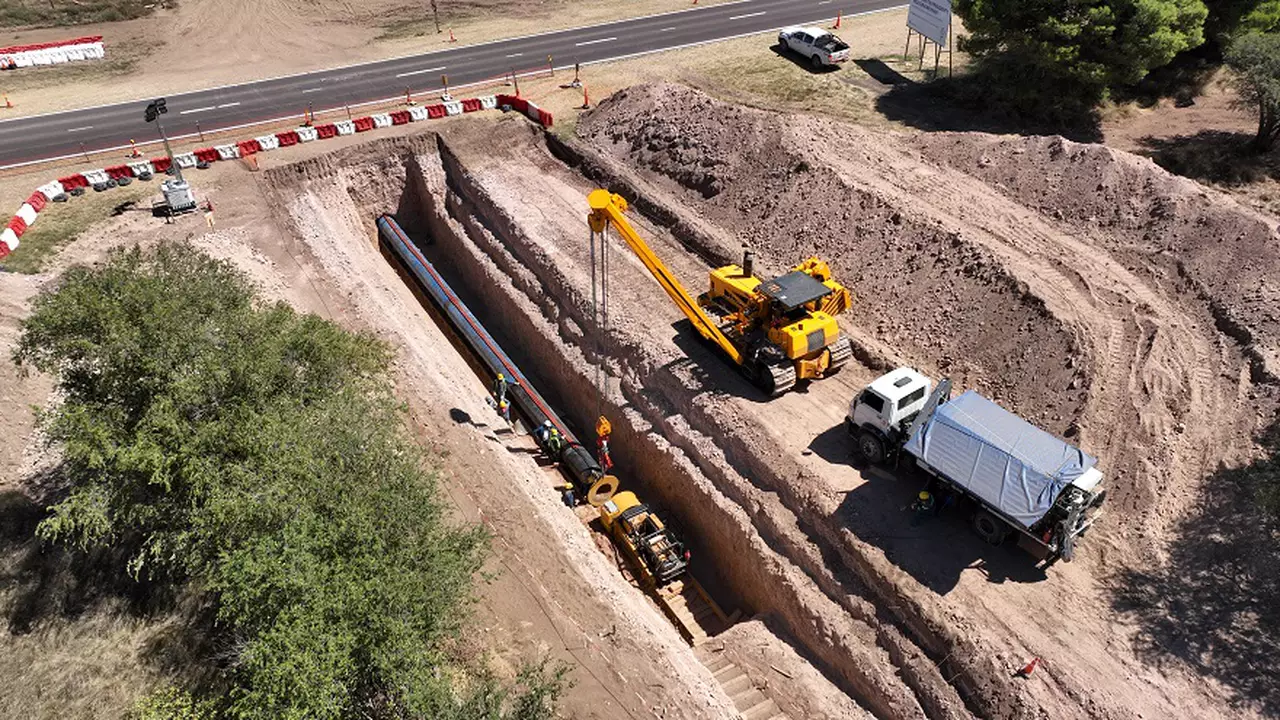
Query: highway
{"type": "Point", "coordinates": [58, 135]}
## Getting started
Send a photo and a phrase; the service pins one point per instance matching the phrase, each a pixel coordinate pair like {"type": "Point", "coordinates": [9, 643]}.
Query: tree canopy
{"type": "Point", "coordinates": [259, 455]}
{"type": "Point", "coordinates": [1055, 56]}
{"type": "Point", "coordinates": [1255, 58]}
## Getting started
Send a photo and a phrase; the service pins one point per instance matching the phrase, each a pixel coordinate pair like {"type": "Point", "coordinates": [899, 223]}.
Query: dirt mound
{"type": "Point", "coordinates": [1162, 224]}
{"type": "Point", "coordinates": [925, 289]}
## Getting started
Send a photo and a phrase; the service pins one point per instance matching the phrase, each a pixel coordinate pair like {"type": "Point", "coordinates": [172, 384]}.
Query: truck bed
{"type": "Point", "coordinates": [997, 456]}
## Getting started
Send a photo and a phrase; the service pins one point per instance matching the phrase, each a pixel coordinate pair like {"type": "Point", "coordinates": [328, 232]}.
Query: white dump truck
{"type": "Point", "coordinates": [821, 47]}
{"type": "Point", "coordinates": [1021, 479]}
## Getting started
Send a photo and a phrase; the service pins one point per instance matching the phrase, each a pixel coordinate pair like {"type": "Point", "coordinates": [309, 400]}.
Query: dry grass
{"type": "Point", "coordinates": [749, 71]}
{"type": "Point", "coordinates": [85, 667]}
{"type": "Point", "coordinates": [60, 223]}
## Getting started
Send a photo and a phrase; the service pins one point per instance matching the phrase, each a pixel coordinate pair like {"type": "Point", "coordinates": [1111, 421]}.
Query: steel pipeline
{"type": "Point", "coordinates": [574, 458]}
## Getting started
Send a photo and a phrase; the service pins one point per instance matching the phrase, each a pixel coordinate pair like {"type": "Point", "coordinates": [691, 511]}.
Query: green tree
{"type": "Point", "coordinates": [1255, 60]}
{"type": "Point", "coordinates": [1263, 17]}
{"type": "Point", "coordinates": [1056, 56]}
{"type": "Point", "coordinates": [260, 455]}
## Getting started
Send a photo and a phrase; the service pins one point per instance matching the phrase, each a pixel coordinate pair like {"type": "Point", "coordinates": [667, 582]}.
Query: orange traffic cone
{"type": "Point", "coordinates": [133, 149]}
{"type": "Point", "coordinates": [451, 37]}
{"type": "Point", "coordinates": [837, 25]}
{"type": "Point", "coordinates": [7, 102]}
{"type": "Point", "coordinates": [586, 101]}
{"type": "Point", "coordinates": [1027, 669]}
{"type": "Point", "coordinates": [408, 98]}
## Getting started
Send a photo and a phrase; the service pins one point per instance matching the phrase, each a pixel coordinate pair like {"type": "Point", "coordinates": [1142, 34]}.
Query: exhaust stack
{"type": "Point", "coordinates": [748, 262]}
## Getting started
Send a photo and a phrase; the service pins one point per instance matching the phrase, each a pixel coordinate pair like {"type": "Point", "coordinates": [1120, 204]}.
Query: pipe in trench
{"type": "Point", "coordinates": [587, 475]}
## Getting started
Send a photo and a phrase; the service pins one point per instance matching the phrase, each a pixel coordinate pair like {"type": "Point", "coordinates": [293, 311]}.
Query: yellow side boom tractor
{"type": "Point", "coordinates": [652, 550]}
{"type": "Point", "coordinates": [776, 331]}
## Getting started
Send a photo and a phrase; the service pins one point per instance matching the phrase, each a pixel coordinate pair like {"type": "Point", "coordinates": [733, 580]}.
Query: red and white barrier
{"type": "Point", "coordinates": [531, 111]}
{"type": "Point", "coordinates": [53, 53]}
{"type": "Point", "coordinates": [11, 234]}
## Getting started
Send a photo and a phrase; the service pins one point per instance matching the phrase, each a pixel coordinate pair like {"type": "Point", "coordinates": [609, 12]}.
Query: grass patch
{"type": "Point", "coordinates": [56, 13]}
{"type": "Point", "coordinates": [60, 223]}
{"type": "Point", "coordinates": [780, 83]}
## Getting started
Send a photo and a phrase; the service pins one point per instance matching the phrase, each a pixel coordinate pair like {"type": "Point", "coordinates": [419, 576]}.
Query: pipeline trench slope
{"type": "Point", "coordinates": [629, 661]}
{"type": "Point", "coordinates": [1085, 289]}
{"type": "Point", "coordinates": [523, 212]}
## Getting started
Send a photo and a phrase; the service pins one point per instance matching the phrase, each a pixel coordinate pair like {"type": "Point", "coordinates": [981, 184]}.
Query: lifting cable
{"type": "Point", "coordinates": [600, 311]}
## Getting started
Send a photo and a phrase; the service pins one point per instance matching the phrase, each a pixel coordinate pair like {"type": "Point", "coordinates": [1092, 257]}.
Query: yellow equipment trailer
{"type": "Point", "coordinates": [777, 331]}
{"type": "Point", "coordinates": [653, 551]}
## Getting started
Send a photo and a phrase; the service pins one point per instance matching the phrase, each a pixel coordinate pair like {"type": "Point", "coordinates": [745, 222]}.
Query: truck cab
{"type": "Point", "coordinates": [880, 414]}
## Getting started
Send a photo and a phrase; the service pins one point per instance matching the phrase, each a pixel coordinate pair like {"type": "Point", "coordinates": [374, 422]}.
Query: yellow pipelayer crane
{"type": "Point", "coordinates": [776, 331]}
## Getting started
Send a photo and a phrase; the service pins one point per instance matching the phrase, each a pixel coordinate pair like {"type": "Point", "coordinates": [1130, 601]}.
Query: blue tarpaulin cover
{"type": "Point", "coordinates": [999, 457]}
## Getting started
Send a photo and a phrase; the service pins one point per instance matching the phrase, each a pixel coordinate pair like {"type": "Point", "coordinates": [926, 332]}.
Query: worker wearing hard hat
{"type": "Point", "coordinates": [925, 503]}
{"type": "Point", "coordinates": [555, 443]}
{"type": "Point", "coordinates": [500, 388]}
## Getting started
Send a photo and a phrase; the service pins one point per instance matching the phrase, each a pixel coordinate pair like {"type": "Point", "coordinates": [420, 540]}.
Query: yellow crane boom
{"type": "Point", "coordinates": [607, 209]}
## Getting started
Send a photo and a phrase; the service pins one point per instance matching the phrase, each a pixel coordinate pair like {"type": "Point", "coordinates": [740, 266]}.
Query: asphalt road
{"type": "Point", "coordinates": [26, 140]}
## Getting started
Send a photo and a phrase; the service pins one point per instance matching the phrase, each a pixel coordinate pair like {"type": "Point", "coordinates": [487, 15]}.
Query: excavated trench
{"type": "Point", "coordinates": [774, 549]}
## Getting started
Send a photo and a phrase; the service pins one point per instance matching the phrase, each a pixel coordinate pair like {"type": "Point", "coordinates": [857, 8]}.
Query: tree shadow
{"type": "Point", "coordinates": [1183, 79]}
{"type": "Point", "coordinates": [51, 584]}
{"type": "Point", "coordinates": [963, 104]}
{"type": "Point", "coordinates": [1215, 603]}
{"type": "Point", "coordinates": [1212, 155]}
{"type": "Point", "coordinates": [49, 581]}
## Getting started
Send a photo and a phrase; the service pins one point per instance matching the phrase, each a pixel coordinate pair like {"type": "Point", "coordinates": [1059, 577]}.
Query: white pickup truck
{"type": "Point", "coordinates": [821, 47]}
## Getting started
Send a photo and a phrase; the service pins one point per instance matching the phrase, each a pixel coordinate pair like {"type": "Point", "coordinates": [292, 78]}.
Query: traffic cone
{"type": "Point", "coordinates": [586, 101]}
{"type": "Point", "coordinates": [451, 37]}
{"type": "Point", "coordinates": [133, 149]}
{"type": "Point", "coordinates": [837, 25]}
{"type": "Point", "coordinates": [1027, 669]}
{"type": "Point", "coordinates": [408, 98]}
{"type": "Point", "coordinates": [7, 102]}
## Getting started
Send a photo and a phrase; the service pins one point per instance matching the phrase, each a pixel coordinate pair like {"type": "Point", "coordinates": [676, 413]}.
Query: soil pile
{"type": "Point", "coordinates": [1162, 225]}
{"type": "Point", "coordinates": [925, 289]}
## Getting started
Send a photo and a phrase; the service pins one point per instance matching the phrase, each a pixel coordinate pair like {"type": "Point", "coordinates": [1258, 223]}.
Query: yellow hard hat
{"type": "Point", "coordinates": [924, 495]}
{"type": "Point", "coordinates": [501, 376]}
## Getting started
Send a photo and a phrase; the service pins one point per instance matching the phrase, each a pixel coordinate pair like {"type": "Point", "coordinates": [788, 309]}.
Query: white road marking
{"type": "Point", "coordinates": [515, 55]}
{"type": "Point", "coordinates": [311, 90]}
{"type": "Point", "coordinates": [420, 72]}
{"type": "Point", "coordinates": [824, 2]}
{"type": "Point", "coordinates": [196, 110]}
{"type": "Point", "coordinates": [593, 42]}
{"type": "Point", "coordinates": [86, 127]}
{"type": "Point", "coordinates": [742, 17]}
{"type": "Point", "coordinates": [667, 29]}
{"type": "Point", "coordinates": [227, 105]}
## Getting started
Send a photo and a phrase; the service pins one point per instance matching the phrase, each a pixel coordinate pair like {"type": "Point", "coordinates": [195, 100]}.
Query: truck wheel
{"type": "Point", "coordinates": [989, 527]}
{"type": "Point", "coordinates": [816, 62]}
{"type": "Point", "coordinates": [871, 447]}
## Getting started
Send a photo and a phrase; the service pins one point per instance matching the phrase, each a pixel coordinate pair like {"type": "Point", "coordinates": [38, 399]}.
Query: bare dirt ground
{"type": "Point", "coordinates": [309, 239]}
{"type": "Point", "coordinates": [208, 43]}
{"type": "Point", "coordinates": [1082, 287]}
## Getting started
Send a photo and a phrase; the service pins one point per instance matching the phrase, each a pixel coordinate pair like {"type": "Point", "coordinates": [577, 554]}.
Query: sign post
{"type": "Point", "coordinates": [931, 20]}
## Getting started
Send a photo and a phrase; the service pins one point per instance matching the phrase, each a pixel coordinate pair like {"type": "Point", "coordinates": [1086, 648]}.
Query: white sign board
{"type": "Point", "coordinates": [931, 18]}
